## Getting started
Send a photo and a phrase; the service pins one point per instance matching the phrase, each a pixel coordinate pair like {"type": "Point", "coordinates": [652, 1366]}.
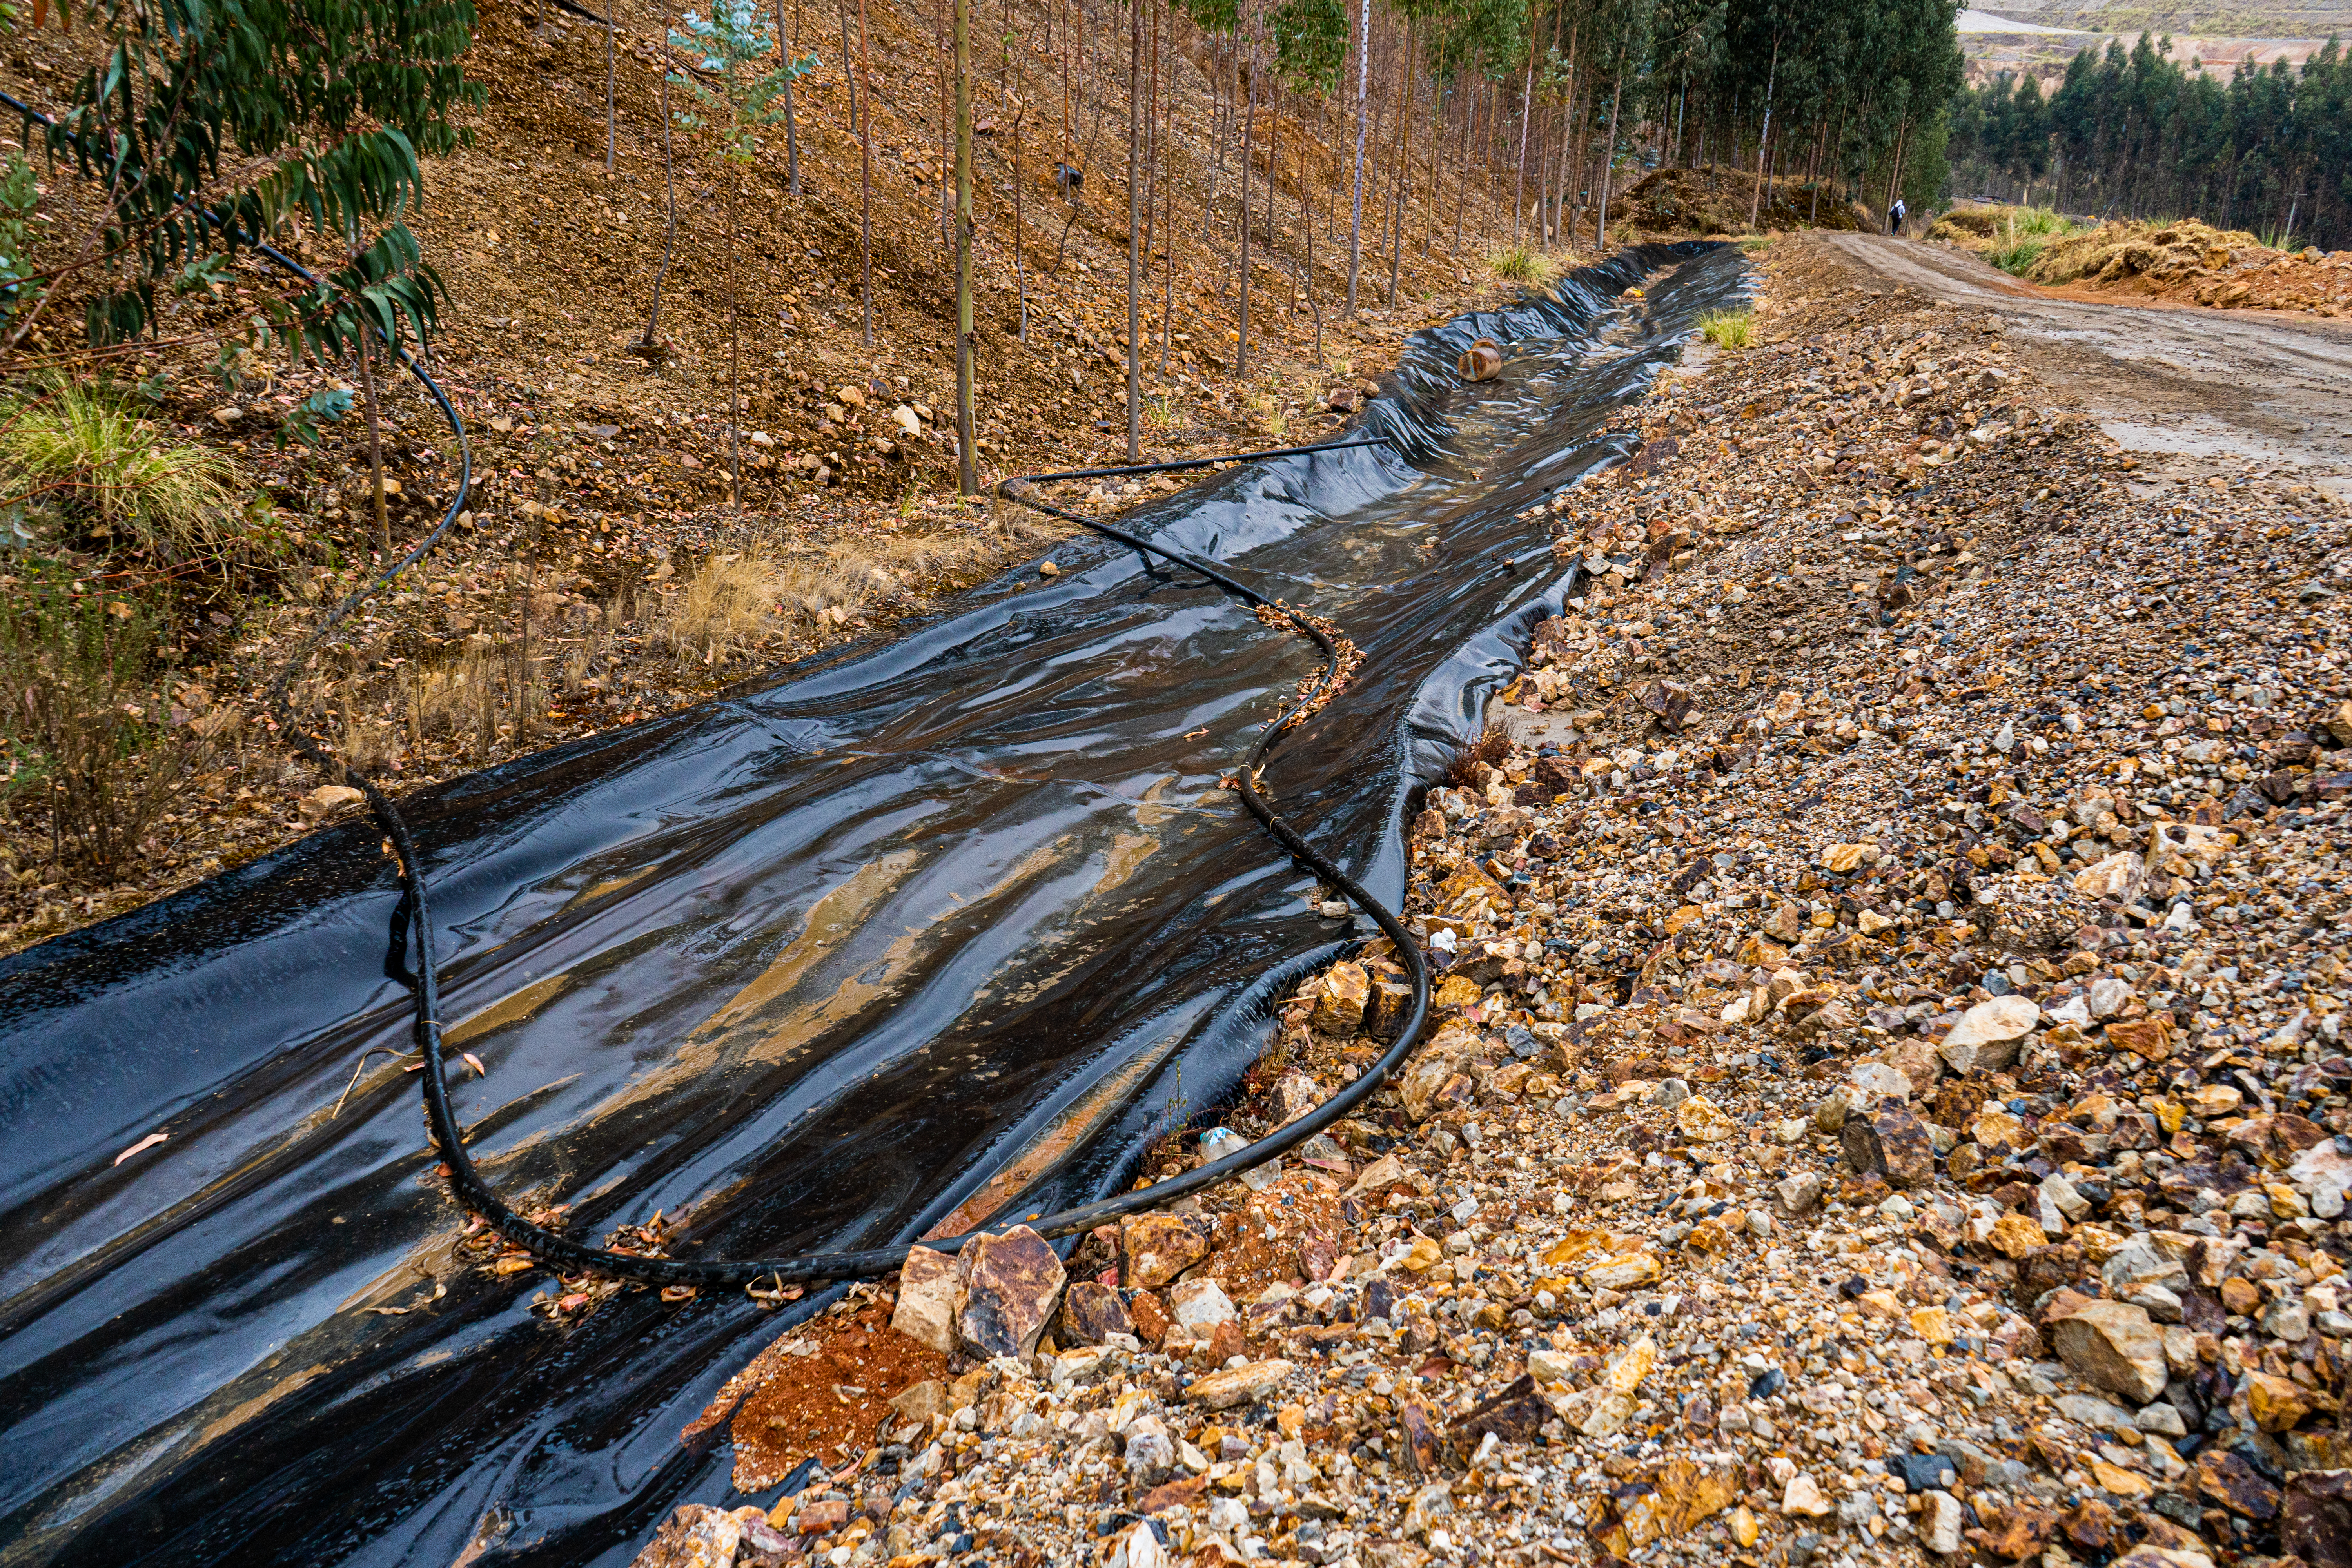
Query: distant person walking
{"type": "Point", "coordinates": [1894, 215]}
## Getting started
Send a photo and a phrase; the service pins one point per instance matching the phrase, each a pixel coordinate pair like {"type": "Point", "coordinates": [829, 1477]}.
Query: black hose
{"type": "Point", "coordinates": [569, 1257]}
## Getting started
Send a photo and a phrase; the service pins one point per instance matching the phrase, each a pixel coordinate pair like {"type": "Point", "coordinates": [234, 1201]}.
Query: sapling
{"type": "Point", "coordinates": [738, 102]}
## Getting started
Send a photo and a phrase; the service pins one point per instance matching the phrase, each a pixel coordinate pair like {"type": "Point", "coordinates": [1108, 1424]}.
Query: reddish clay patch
{"type": "Point", "coordinates": [824, 1404]}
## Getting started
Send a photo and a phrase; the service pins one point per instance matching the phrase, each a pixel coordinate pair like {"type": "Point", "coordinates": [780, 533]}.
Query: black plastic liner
{"type": "Point", "coordinates": [817, 959]}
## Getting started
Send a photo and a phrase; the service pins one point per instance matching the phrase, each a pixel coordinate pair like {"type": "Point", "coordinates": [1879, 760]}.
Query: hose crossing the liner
{"type": "Point", "coordinates": [569, 1257]}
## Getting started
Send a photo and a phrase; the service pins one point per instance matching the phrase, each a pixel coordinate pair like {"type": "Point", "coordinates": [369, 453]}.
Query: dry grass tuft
{"type": "Point", "coordinates": [1493, 744]}
{"type": "Point", "coordinates": [1728, 329]}
{"type": "Point", "coordinates": [739, 602]}
{"type": "Point", "coordinates": [82, 450]}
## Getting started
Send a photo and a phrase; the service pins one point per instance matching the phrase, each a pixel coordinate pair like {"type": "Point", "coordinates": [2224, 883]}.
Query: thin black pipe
{"type": "Point", "coordinates": [1185, 463]}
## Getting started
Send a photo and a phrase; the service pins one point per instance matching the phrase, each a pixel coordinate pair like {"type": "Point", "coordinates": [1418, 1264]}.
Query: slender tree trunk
{"type": "Point", "coordinates": [1404, 165]}
{"type": "Point", "coordinates": [1134, 230]}
{"type": "Point", "coordinates": [967, 460]}
{"type": "Point", "coordinates": [611, 135]}
{"type": "Point", "coordinates": [376, 444]}
{"type": "Point", "coordinates": [1166, 187]}
{"type": "Point", "coordinates": [865, 175]}
{"type": "Point", "coordinates": [1527, 109]}
{"type": "Point", "coordinates": [734, 355]}
{"type": "Point", "coordinates": [792, 115]}
{"type": "Point", "coordinates": [1462, 174]}
{"type": "Point", "coordinates": [848, 77]}
{"type": "Point", "coordinates": [1356, 209]}
{"type": "Point", "coordinates": [1249, 127]}
{"type": "Point", "coordinates": [1608, 148]}
{"type": "Point", "coordinates": [669, 227]}
{"type": "Point", "coordinates": [1771, 76]}
{"type": "Point", "coordinates": [1020, 233]}
{"type": "Point", "coordinates": [1570, 163]}
{"type": "Point", "coordinates": [1312, 302]}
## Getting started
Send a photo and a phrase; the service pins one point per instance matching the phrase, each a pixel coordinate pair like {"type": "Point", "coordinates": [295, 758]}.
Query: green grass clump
{"type": "Point", "coordinates": [1728, 329]}
{"type": "Point", "coordinates": [1520, 264]}
{"type": "Point", "coordinates": [84, 452]}
{"type": "Point", "coordinates": [2018, 257]}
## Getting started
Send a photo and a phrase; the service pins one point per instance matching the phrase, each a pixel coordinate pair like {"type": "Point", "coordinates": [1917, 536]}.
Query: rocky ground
{"type": "Point", "coordinates": [1886, 1101]}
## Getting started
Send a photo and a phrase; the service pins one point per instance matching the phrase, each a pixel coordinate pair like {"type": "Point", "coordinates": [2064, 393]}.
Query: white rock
{"type": "Point", "coordinates": [927, 1298]}
{"type": "Point", "coordinates": [2118, 876]}
{"type": "Point", "coordinates": [1803, 1497]}
{"type": "Point", "coordinates": [1995, 1022]}
{"type": "Point", "coordinates": [2108, 996]}
{"type": "Point", "coordinates": [1199, 1305]}
{"type": "Point", "coordinates": [1875, 1081]}
{"type": "Point", "coordinates": [2075, 1010]}
{"type": "Point", "coordinates": [1939, 1523]}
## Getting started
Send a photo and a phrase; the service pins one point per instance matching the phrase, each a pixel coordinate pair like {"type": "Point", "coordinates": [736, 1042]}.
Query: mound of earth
{"type": "Point", "coordinates": [1712, 199]}
{"type": "Point", "coordinates": [2182, 259]}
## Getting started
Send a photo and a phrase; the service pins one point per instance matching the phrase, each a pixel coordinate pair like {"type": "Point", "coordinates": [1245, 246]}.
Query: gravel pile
{"type": "Point", "coordinates": [1887, 1097]}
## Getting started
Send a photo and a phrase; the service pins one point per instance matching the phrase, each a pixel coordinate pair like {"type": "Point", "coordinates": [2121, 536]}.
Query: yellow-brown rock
{"type": "Point", "coordinates": [1340, 1003]}
{"type": "Point", "coordinates": [2275, 1403]}
{"type": "Point", "coordinates": [1159, 1246]}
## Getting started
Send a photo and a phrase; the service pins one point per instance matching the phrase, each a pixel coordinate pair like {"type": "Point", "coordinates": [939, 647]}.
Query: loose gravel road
{"type": "Point", "coordinates": [2186, 383]}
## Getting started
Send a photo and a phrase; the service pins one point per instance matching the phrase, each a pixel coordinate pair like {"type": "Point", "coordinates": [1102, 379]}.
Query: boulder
{"type": "Point", "coordinates": [1986, 1036]}
{"type": "Point", "coordinates": [1199, 1305]}
{"type": "Point", "coordinates": [1011, 1286]}
{"type": "Point", "coordinates": [1433, 1077]}
{"type": "Point", "coordinates": [1804, 1498]}
{"type": "Point", "coordinates": [2113, 1344]}
{"type": "Point", "coordinates": [2316, 1518]}
{"type": "Point", "coordinates": [1891, 1142]}
{"type": "Point", "coordinates": [1159, 1246]}
{"type": "Point", "coordinates": [1341, 999]}
{"type": "Point", "coordinates": [1091, 1313]}
{"type": "Point", "coordinates": [927, 1298]}
{"type": "Point", "coordinates": [1700, 1121]}
{"type": "Point", "coordinates": [2275, 1403]}
{"type": "Point", "coordinates": [1939, 1522]}
{"type": "Point", "coordinates": [1243, 1384]}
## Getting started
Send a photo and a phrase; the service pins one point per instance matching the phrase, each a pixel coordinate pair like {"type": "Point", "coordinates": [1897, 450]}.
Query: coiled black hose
{"type": "Point", "coordinates": [569, 1257]}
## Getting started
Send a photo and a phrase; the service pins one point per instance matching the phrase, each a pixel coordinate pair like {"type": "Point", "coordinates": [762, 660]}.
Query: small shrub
{"type": "Point", "coordinates": [1752, 243]}
{"type": "Point", "coordinates": [83, 452]}
{"type": "Point", "coordinates": [1493, 744]}
{"type": "Point", "coordinates": [1728, 329]}
{"type": "Point", "coordinates": [2017, 258]}
{"type": "Point", "coordinates": [80, 712]}
{"type": "Point", "coordinates": [1520, 264]}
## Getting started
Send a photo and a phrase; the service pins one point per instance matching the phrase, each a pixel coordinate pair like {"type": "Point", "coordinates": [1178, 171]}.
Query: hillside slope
{"type": "Point", "coordinates": [602, 574]}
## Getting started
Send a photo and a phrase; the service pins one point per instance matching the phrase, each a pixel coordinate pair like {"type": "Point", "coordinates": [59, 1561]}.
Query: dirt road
{"type": "Point", "coordinates": [2203, 392]}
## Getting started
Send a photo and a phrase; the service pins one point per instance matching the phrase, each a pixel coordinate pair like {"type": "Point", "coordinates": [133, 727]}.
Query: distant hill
{"type": "Point", "coordinates": [2202, 21]}
{"type": "Point", "coordinates": [2218, 34]}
